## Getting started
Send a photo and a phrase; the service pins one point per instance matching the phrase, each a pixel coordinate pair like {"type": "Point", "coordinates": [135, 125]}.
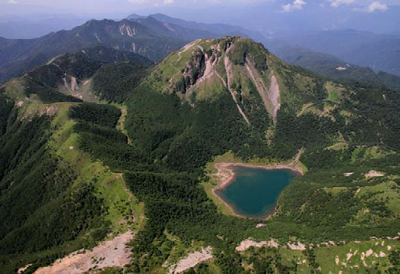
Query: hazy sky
{"type": "Point", "coordinates": [280, 5]}
{"type": "Point", "coordinates": [262, 15]}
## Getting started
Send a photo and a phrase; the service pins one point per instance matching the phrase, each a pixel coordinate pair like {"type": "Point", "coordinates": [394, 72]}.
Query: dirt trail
{"type": "Point", "coordinates": [305, 107]}
{"type": "Point", "coordinates": [185, 48]}
{"type": "Point", "coordinates": [112, 253]}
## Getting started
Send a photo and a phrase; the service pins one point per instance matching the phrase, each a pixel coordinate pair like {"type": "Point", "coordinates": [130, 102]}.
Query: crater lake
{"type": "Point", "coordinates": [253, 192]}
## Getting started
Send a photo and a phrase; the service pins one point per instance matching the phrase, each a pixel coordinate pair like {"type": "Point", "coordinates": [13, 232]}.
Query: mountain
{"type": "Point", "coordinates": [89, 74]}
{"type": "Point", "coordinates": [377, 51]}
{"type": "Point", "coordinates": [231, 96]}
{"type": "Point", "coordinates": [74, 173]}
{"type": "Point", "coordinates": [220, 29]}
{"type": "Point", "coordinates": [332, 67]}
{"type": "Point", "coordinates": [57, 193]}
{"type": "Point", "coordinates": [17, 56]}
{"type": "Point", "coordinates": [146, 36]}
{"type": "Point", "coordinates": [269, 16]}
{"type": "Point", "coordinates": [173, 30]}
{"type": "Point", "coordinates": [135, 16]}
{"type": "Point", "coordinates": [352, 40]}
{"type": "Point", "coordinates": [110, 55]}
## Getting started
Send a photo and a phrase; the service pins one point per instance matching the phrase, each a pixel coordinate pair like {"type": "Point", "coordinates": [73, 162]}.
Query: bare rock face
{"type": "Point", "coordinates": [193, 72]}
{"type": "Point", "coordinates": [234, 64]}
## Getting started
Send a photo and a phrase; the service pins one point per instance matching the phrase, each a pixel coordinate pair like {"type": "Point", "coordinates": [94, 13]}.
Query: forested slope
{"type": "Point", "coordinates": [92, 74]}
{"type": "Point", "coordinates": [183, 123]}
{"type": "Point", "coordinates": [54, 197]}
{"type": "Point", "coordinates": [213, 98]}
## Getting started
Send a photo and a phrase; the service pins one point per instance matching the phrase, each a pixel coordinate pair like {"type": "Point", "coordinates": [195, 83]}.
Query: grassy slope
{"type": "Point", "coordinates": [112, 187]}
{"type": "Point", "coordinates": [124, 210]}
{"type": "Point", "coordinates": [326, 257]}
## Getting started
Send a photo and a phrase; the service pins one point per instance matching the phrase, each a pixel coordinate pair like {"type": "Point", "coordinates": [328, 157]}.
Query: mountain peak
{"type": "Point", "coordinates": [135, 16]}
{"type": "Point", "coordinates": [208, 68]}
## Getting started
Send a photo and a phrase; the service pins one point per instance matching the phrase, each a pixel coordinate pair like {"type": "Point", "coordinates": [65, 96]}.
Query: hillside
{"type": "Point", "coordinates": [216, 96]}
{"type": "Point", "coordinates": [90, 74]}
{"type": "Point", "coordinates": [52, 189]}
{"type": "Point", "coordinates": [214, 100]}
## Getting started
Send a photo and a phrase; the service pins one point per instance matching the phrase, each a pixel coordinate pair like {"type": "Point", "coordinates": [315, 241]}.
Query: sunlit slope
{"type": "Point", "coordinates": [271, 96]}
{"type": "Point", "coordinates": [93, 74]}
{"type": "Point", "coordinates": [206, 69]}
{"type": "Point", "coordinates": [55, 196]}
{"type": "Point", "coordinates": [232, 97]}
{"type": "Point", "coordinates": [219, 100]}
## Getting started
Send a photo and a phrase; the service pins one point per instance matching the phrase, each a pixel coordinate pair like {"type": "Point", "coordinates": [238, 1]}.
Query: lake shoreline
{"type": "Point", "coordinates": [226, 176]}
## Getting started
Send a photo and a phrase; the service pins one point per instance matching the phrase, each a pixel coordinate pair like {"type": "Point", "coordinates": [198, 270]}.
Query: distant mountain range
{"type": "Point", "coordinates": [332, 67]}
{"type": "Point", "coordinates": [381, 52]}
{"type": "Point", "coordinates": [163, 28]}
{"type": "Point", "coordinates": [158, 35]}
{"type": "Point", "coordinates": [220, 29]}
{"type": "Point", "coordinates": [269, 16]}
{"type": "Point", "coordinates": [147, 36]}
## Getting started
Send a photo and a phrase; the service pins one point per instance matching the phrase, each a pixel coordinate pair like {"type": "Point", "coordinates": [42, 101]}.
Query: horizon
{"type": "Point", "coordinates": [146, 7]}
{"type": "Point", "coordinates": [265, 16]}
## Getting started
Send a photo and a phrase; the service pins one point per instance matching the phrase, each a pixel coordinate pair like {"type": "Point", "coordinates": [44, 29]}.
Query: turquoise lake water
{"type": "Point", "coordinates": [254, 191]}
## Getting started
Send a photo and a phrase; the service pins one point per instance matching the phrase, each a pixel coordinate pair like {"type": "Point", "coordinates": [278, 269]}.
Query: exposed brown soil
{"type": "Point", "coordinates": [112, 253]}
{"type": "Point", "coordinates": [192, 260]}
{"type": "Point", "coordinates": [271, 96]}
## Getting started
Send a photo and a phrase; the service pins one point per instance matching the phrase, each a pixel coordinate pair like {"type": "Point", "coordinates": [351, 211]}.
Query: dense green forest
{"type": "Point", "coordinates": [112, 81]}
{"type": "Point", "coordinates": [175, 154]}
{"type": "Point", "coordinates": [71, 72]}
{"type": "Point", "coordinates": [172, 136]}
{"type": "Point", "coordinates": [171, 141]}
{"type": "Point", "coordinates": [41, 206]}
